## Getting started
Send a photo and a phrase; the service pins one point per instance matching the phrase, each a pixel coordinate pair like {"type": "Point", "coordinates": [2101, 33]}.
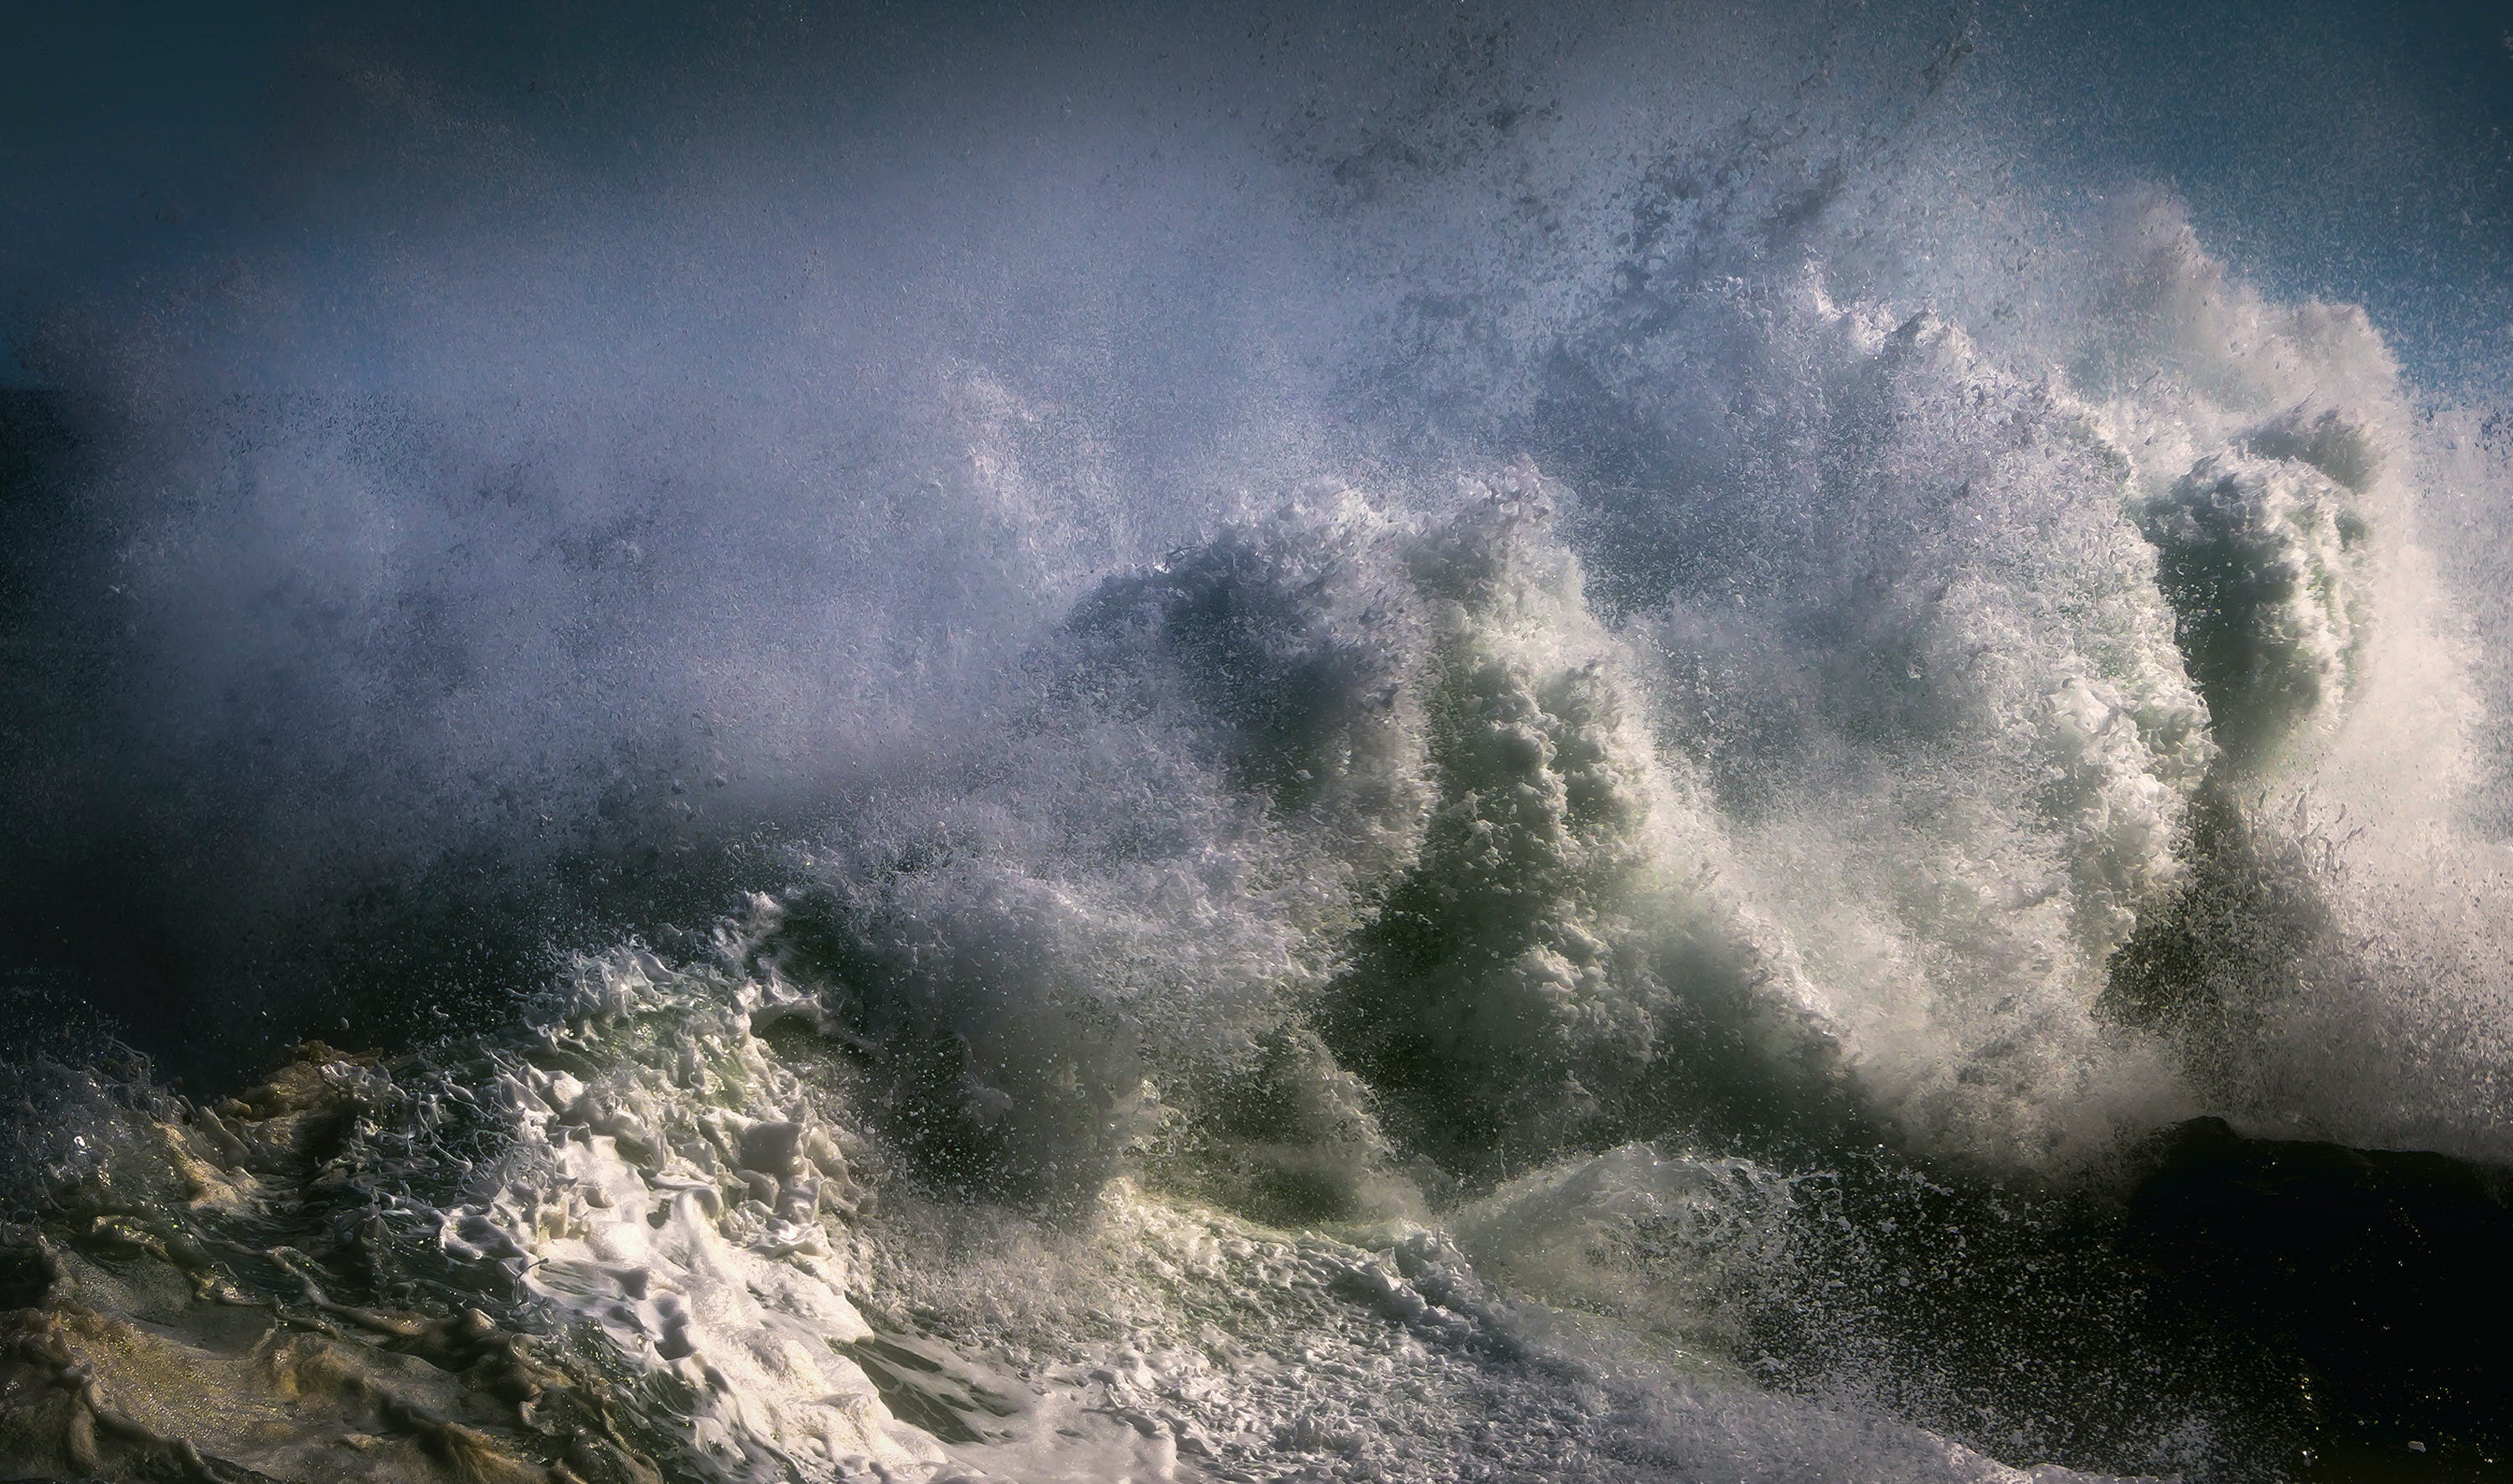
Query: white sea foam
{"type": "Point", "coordinates": [687, 1206]}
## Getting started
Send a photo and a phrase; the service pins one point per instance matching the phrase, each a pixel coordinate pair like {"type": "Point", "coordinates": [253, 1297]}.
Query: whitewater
{"type": "Point", "coordinates": [1592, 782]}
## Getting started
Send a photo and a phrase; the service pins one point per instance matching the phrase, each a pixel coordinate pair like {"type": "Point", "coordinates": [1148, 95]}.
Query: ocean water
{"type": "Point", "coordinates": [1551, 748]}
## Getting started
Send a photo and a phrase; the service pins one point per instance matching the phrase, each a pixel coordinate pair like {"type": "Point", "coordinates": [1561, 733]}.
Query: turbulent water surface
{"type": "Point", "coordinates": [1580, 746]}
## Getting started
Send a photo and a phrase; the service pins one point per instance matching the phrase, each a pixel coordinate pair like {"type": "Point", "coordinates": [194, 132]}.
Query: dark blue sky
{"type": "Point", "coordinates": [128, 133]}
{"type": "Point", "coordinates": [2351, 150]}
{"type": "Point", "coordinates": [2356, 150]}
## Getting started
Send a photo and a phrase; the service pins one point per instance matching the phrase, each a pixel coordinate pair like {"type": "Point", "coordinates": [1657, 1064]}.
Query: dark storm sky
{"type": "Point", "coordinates": [2352, 150]}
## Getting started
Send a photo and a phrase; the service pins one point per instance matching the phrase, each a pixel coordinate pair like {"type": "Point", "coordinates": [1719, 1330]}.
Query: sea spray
{"type": "Point", "coordinates": [1521, 753]}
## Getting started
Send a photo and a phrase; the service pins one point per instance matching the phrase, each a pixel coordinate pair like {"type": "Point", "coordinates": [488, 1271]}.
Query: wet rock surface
{"type": "Point", "coordinates": [211, 1305]}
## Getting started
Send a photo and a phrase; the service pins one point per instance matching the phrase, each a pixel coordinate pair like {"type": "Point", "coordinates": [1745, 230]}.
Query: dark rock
{"type": "Point", "coordinates": [2381, 1280]}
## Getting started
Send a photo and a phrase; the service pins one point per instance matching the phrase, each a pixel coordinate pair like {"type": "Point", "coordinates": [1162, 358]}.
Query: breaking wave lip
{"type": "Point", "coordinates": [1348, 872]}
{"type": "Point", "coordinates": [1362, 1013]}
